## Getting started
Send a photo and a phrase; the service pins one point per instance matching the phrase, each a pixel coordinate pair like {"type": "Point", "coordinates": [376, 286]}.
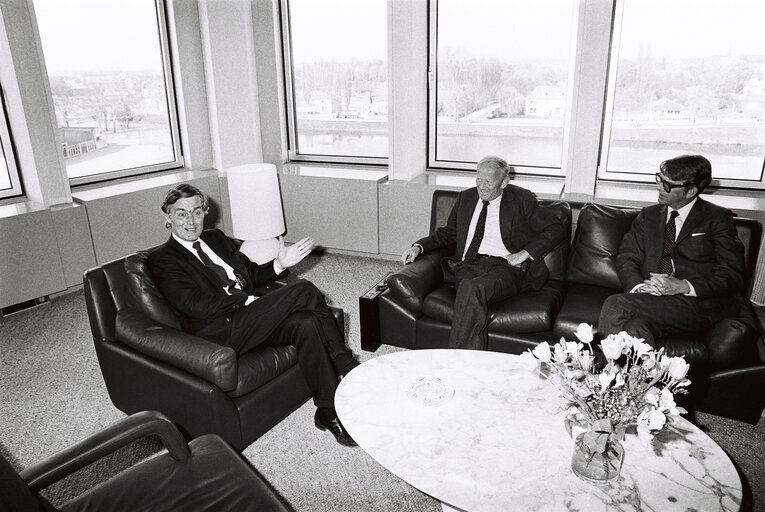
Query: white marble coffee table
{"type": "Point", "coordinates": [500, 444]}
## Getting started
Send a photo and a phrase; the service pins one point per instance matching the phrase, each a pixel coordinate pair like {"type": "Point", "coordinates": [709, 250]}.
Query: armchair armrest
{"type": "Point", "coordinates": [212, 362]}
{"type": "Point", "coordinates": [412, 283]}
{"type": "Point", "coordinates": [64, 463]}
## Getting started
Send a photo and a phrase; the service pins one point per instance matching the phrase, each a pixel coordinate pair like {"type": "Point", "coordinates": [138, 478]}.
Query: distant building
{"type": "Point", "coordinates": [546, 101]}
{"type": "Point", "coordinates": [751, 101]}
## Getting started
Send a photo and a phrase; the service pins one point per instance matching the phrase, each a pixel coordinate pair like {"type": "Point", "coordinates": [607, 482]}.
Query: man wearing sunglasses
{"type": "Point", "coordinates": [680, 264]}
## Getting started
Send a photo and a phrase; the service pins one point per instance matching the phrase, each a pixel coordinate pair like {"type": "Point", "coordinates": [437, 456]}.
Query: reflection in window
{"type": "Point", "coordinates": [502, 69]}
{"type": "Point", "coordinates": [339, 85]}
{"type": "Point", "coordinates": [10, 184]}
{"type": "Point", "coordinates": [108, 77]}
{"type": "Point", "coordinates": [688, 80]}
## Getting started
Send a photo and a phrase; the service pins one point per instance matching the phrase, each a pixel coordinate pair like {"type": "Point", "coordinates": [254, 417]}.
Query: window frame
{"type": "Point", "coordinates": [603, 175]}
{"type": "Point", "coordinates": [8, 149]}
{"type": "Point", "coordinates": [433, 164]}
{"type": "Point", "coordinates": [291, 111]}
{"type": "Point", "coordinates": [172, 111]}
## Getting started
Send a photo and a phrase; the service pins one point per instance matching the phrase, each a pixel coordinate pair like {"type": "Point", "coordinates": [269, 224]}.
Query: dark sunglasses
{"type": "Point", "coordinates": [669, 186]}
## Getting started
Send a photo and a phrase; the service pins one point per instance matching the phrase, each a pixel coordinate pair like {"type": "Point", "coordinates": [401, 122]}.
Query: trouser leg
{"type": "Point", "coordinates": [478, 285]}
{"type": "Point", "coordinates": [303, 330]}
{"type": "Point", "coordinates": [650, 317]}
{"type": "Point", "coordinates": [257, 322]}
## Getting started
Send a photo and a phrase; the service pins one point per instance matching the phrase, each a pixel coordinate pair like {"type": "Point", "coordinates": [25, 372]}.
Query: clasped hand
{"type": "Point", "coordinates": [292, 255]}
{"type": "Point", "coordinates": [662, 284]}
{"type": "Point", "coordinates": [516, 259]}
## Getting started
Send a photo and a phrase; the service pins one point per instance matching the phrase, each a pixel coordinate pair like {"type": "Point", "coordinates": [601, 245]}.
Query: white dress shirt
{"type": "Point", "coordinates": [491, 244]}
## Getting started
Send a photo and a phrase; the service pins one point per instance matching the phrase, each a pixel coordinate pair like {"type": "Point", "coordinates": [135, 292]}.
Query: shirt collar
{"type": "Point", "coordinates": [494, 202]}
{"type": "Point", "coordinates": [685, 210]}
{"type": "Point", "coordinates": [185, 243]}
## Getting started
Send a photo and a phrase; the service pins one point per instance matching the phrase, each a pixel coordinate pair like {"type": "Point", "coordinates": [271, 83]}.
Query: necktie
{"type": "Point", "coordinates": [480, 226]}
{"type": "Point", "coordinates": [219, 271]}
{"type": "Point", "coordinates": [665, 265]}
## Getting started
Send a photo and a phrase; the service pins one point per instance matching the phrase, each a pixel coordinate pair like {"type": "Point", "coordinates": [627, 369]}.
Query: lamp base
{"type": "Point", "coordinates": [260, 251]}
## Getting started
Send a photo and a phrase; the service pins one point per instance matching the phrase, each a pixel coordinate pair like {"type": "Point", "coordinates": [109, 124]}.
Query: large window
{"type": "Point", "coordinates": [10, 184]}
{"type": "Point", "coordinates": [336, 62]}
{"type": "Point", "coordinates": [108, 65]}
{"type": "Point", "coordinates": [687, 76]}
{"type": "Point", "coordinates": [501, 71]}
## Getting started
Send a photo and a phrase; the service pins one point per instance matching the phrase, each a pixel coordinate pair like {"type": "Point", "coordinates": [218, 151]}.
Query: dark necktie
{"type": "Point", "coordinates": [665, 265]}
{"type": "Point", "coordinates": [219, 271]}
{"type": "Point", "coordinates": [480, 226]}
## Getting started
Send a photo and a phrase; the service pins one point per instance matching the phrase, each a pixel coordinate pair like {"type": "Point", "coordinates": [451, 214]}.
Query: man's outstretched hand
{"type": "Point", "coordinates": [294, 254]}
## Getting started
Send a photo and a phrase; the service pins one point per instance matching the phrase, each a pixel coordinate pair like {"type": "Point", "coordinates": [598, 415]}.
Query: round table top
{"type": "Point", "coordinates": [499, 443]}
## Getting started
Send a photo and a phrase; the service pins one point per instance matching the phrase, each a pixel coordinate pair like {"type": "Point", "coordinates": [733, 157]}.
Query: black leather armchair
{"type": "Point", "coordinates": [148, 363]}
{"type": "Point", "coordinates": [205, 474]}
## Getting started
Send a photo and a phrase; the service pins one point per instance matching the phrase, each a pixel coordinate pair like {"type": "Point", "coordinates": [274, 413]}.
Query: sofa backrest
{"type": "Point", "coordinates": [443, 201]}
{"type": "Point", "coordinates": [599, 232]}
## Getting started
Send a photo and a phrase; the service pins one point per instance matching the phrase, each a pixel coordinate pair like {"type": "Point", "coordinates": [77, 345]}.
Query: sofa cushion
{"type": "Point", "coordinates": [599, 232]}
{"type": "Point", "coordinates": [258, 367]}
{"type": "Point", "coordinates": [144, 294]}
{"type": "Point", "coordinates": [530, 311]}
{"type": "Point", "coordinates": [582, 304]}
{"type": "Point", "coordinates": [694, 351]}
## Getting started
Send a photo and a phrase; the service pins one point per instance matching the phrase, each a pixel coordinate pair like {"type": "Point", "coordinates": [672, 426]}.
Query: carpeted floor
{"type": "Point", "coordinates": [52, 395]}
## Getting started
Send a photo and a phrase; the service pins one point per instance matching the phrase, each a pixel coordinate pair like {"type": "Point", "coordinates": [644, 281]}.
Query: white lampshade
{"type": "Point", "coordinates": [256, 207]}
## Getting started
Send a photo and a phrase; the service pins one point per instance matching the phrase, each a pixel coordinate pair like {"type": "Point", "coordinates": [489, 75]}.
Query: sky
{"type": "Point", "coordinates": [349, 29]}
{"type": "Point", "coordinates": [128, 40]}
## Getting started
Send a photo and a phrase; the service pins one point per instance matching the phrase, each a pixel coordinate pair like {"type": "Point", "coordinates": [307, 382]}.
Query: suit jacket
{"type": "Point", "coordinates": [523, 224]}
{"type": "Point", "coordinates": [195, 292]}
{"type": "Point", "coordinates": [707, 250]}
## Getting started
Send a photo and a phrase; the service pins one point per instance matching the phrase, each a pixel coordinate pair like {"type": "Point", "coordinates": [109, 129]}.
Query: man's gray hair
{"type": "Point", "coordinates": [495, 163]}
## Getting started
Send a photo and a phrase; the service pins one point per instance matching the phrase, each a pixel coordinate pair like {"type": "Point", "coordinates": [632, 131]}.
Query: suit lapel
{"type": "Point", "coordinates": [695, 217]}
{"type": "Point", "coordinates": [185, 255]}
{"type": "Point", "coordinates": [506, 217]}
{"type": "Point", "coordinates": [467, 208]}
{"type": "Point", "coordinates": [656, 222]}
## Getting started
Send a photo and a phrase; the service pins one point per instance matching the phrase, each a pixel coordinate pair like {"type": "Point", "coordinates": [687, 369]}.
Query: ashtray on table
{"type": "Point", "coordinates": [429, 391]}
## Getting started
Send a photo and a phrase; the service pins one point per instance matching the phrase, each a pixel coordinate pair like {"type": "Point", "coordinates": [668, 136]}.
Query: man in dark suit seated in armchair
{"type": "Point", "coordinates": [680, 264]}
{"type": "Point", "coordinates": [209, 283]}
{"type": "Point", "coordinates": [502, 236]}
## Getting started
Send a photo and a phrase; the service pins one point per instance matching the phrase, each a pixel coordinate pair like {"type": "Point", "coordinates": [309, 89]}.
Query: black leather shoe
{"type": "Point", "coordinates": [329, 421]}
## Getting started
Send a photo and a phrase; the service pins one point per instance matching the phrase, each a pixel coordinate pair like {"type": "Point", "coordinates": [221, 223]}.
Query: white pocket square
{"type": "Point", "coordinates": [697, 234]}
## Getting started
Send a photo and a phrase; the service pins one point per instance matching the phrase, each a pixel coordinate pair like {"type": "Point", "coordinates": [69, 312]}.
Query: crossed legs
{"type": "Point", "coordinates": [650, 317]}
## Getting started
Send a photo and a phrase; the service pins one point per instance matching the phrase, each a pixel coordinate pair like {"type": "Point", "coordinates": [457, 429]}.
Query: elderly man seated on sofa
{"type": "Point", "coordinates": [508, 234]}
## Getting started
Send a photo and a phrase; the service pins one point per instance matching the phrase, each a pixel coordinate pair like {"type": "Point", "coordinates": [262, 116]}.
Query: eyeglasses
{"type": "Point", "coordinates": [669, 186]}
{"type": "Point", "coordinates": [183, 215]}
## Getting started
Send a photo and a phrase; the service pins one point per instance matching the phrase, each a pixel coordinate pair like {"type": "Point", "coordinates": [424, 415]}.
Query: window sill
{"type": "Point", "coordinates": [545, 188]}
{"type": "Point", "coordinates": [92, 192]}
{"type": "Point", "coordinates": [335, 171]}
{"type": "Point", "coordinates": [639, 195]}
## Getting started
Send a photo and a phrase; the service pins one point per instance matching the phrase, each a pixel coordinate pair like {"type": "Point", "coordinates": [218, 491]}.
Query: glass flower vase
{"type": "Point", "coordinates": [597, 468]}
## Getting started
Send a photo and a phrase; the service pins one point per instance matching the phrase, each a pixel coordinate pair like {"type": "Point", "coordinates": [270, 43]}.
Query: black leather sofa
{"type": "Point", "coordinates": [726, 367]}
{"type": "Point", "coordinates": [148, 363]}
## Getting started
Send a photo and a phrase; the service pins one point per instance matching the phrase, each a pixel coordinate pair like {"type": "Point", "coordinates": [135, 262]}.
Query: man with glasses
{"type": "Point", "coordinates": [209, 283]}
{"type": "Point", "coordinates": [680, 264]}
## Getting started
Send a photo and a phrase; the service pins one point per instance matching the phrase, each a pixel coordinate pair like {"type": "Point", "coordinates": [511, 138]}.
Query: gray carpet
{"type": "Point", "coordinates": [52, 395]}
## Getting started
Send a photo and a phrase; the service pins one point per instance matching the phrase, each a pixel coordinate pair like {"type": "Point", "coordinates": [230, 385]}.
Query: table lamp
{"type": "Point", "coordinates": [256, 210]}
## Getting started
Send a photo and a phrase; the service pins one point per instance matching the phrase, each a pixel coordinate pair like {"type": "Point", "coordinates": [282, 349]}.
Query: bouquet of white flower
{"type": "Point", "coordinates": [635, 388]}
